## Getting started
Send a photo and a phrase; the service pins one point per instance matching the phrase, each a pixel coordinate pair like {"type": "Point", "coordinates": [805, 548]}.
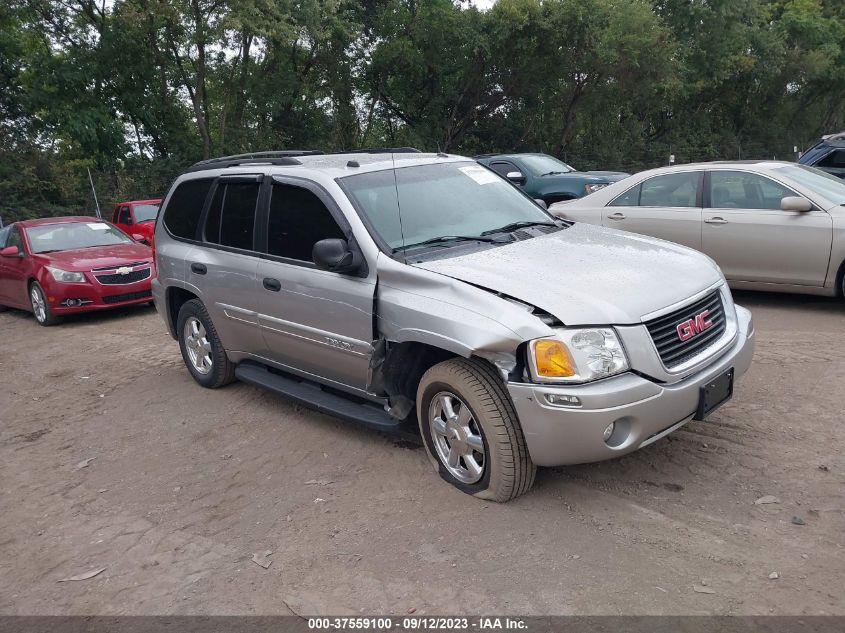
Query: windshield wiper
{"type": "Point", "coordinates": [446, 239]}
{"type": "Point", "coordinates": [552, 173]}
{"type": "Point", "coordinates": [513, 226]}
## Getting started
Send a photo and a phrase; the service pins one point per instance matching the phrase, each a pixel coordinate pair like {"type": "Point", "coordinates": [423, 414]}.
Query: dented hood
{"type": "Point", "coordinates": [587, 274]}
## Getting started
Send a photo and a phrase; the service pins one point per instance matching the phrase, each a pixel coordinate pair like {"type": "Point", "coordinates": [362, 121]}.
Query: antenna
{"type": "Point", "coordinates": [94, 191]}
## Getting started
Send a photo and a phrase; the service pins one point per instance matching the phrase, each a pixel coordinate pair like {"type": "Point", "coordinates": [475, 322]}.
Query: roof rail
{"type": "Point", "coordinates": [276, 157]}
{"type": "Point", "coordinates": [286, 157]}
{"type": "Point", "coordinates": [380, 150]}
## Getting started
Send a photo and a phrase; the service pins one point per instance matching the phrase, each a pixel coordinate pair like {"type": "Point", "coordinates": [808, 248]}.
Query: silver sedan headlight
{"type": "Point", "coordinates": [577, 356]}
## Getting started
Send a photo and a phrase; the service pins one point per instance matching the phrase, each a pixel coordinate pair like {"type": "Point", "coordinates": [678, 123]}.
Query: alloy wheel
{"type": "Point", "coordinates": [197, 345]}
{"type": "Point", "coordinates": [39, 305]}
{"type": "Point", "coordinates": [457, 437]}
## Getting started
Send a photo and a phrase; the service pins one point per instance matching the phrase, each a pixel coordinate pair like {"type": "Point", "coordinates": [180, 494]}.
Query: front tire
{"type": "Point", "coordinates": [40, 307]}
{"type": "Point", "coordinates": [201, 348]}
{"type": "Point", "coordinates": [471, 431]}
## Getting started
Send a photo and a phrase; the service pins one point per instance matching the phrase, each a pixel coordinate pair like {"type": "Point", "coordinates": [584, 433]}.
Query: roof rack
{"type": "Point", "coordinates": [381, 150]}
{"type": "Point", "coordinates": [286, 157]}
{"type": "Point", "coordinates": [276, 157]}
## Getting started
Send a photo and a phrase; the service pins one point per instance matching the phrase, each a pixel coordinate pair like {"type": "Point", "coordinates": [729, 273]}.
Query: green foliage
{"type": "Point", "coordinates": [135, 90]}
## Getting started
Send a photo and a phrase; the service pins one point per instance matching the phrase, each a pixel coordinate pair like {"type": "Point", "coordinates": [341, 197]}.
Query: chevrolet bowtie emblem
{"type": "Point", "coordinates": [124, 270]}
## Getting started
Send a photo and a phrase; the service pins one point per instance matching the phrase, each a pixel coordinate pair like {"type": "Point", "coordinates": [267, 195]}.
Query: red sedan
{"type": "Point", "coordinates": [58, 266]}
{"type": "Point", "coordinates": [137, 218]}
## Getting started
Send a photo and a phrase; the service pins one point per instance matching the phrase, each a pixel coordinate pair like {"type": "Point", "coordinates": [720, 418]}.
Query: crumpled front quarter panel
{"type": "Point", "coordinates": [426, 307]}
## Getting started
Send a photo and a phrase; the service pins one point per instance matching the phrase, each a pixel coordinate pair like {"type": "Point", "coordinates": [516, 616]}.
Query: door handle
{"type": "Point", "coordinates": [715, 220]}
{"type": "Point", "coordinates": [272, 284]}
{"type": "Point", "coordinates": [199, 269]}
{"type": "Point", "coordinates": [616, 216]}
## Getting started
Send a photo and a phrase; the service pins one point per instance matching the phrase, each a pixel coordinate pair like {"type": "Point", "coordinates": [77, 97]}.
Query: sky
{"type": "Point", "coordinates": [483, 4]}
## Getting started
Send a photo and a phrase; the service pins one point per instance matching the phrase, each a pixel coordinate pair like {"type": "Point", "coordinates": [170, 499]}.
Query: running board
{"type": "Point", "coordinates": [313, 396]}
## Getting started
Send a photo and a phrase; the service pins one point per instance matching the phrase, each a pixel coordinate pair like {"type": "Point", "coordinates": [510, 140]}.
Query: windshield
{"type": "Point", "coordinates": [72, 235]}
{"type": "Point", "coordinates": [540, 164]}
{"type": "Point", "coordinates": [145, 212]}
{"type": "Point", "coordinates": [829, 186]}
{"type": "Point", "coordinates": [446, 199]}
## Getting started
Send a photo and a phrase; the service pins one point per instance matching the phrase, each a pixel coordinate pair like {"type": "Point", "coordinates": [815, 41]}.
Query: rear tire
{"type": "Point", "coordinates": [40, 306]}
{"type": "Point", "coordinates": [201, 348]}
{"type": "Point", "coordinates": [471, 431]}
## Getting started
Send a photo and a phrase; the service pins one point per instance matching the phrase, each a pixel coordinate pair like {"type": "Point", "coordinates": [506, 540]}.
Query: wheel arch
{"type": "Point", "coordinates": [840, 280]}
{"type": "Point", "coordinates": [398, 368]}
{"type": "Point", "coordinates": [175, 298]}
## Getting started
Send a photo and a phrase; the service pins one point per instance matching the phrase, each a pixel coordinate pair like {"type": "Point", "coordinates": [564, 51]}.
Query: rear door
{"type": "Point", "coordinates": [752, 239]}
{"type": "Point", "coordinates": [223, 266]}
{"type": "Point", "coordinates": [667, 206]}
{"type": "Point", "coordinates": [313, 321]}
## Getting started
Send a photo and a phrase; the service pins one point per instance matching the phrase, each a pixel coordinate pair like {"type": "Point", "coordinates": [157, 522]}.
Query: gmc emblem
{"type": "Point", "coordinates": [694, 326]}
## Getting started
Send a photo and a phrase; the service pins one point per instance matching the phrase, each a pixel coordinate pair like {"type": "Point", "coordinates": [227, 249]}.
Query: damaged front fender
{"type": "Point", "coordinates": [417, 305]}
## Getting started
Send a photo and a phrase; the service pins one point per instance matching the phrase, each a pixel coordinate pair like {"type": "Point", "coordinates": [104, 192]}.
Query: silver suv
{"type": "Point", "coordinates": [400, 289]}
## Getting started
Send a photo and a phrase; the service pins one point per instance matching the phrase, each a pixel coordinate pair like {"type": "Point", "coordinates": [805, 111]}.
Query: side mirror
{"type": "Point", "coordinates": [139, 238]}
{"type": "Point", "coordinates": [515, 177]}
{"type": "Point", "coordinates": [335, 256]}
{"type": "Point", "coordinates": [11, 251]}
{"type": "Point", "coordinates": [541, 203]}
{"type": "Point", "coordinates": [795, 203]}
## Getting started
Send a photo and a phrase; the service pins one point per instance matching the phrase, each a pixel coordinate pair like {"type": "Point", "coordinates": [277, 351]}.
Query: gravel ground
{"type": "Point", "coordinates": [185, 485]}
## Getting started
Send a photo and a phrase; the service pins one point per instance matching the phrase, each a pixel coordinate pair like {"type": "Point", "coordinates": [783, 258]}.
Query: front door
{"type": "Point", "coordinates": [752, 239]}
{"type": "Point", "coordinates": [124, 219]}
{"type": "Point", "coordinates": [666, 206]}
{"type": "Point", "coordinates": [313, 321]}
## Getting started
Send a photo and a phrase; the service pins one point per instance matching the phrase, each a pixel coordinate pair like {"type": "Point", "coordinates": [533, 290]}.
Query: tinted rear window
{"type": "Point", "coordinates": [184, 208]}
{"type": "Point", "coordinates": [231, 216]}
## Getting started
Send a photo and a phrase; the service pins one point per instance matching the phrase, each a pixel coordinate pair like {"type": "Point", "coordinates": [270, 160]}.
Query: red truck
{"type": "Point", "coordinates": [137, 218]}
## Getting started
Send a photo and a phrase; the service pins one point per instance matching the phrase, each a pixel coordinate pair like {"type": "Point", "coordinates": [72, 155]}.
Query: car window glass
{"type": "Point", "coordinates": [411, 205]}
{"type": "Point", "coordinates": [14, 238]}
{"type": "Point", "coordinates": [4, 235]}
{"type": "Point", "coordinates": [231, 217]}
{"type": "Point", "coordinates": [670, 190]}
{"type": "Point", "coordinates": [744, 190]}
{"type": "Point", "coordinates": [503, 168]}
{"type": "Point", "coordinates": [630, 198]}
{"type": "Point", "coordinates": [298, 219]}
{"type": "Point", "coordinates": [125, 217]}
{"type": "Point", "coordinates": [834, 159]}
{"type": "Point", "coordinates": [184, 208]}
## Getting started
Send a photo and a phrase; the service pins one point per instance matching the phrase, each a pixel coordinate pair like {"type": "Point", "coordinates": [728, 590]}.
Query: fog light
{"type": "Point", "coordinates": [562, 400]}
{"type": "Point", "coordinates": [609, 431]}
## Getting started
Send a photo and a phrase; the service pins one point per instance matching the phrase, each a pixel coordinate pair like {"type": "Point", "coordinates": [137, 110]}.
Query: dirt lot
{"type": "Point", "coordinates": [187, 484]}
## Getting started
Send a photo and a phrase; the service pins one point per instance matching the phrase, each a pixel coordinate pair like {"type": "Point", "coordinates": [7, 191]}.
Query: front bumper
{"type": "Point", "coordinates": [72, 298]}
{"type": "Point", "coordinates": [643, 410]}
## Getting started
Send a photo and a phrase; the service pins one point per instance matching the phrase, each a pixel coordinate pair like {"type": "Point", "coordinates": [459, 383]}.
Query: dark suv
{"type": "Point", "coordinates": [546, 178]}
{"type": "Point", "coordinates": [828, 154]}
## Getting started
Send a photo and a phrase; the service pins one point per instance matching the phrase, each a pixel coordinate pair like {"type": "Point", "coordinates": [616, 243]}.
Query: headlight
{"type": "Point", "coordinates": [66, 277]}
{"type": "Point", "coordinates": [574, 356]}
{"type": "Point", "coordinates": [594, 187]}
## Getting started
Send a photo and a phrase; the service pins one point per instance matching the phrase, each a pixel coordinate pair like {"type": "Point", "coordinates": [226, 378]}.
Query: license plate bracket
{"type": "Point", "coordinates": [714, 393]}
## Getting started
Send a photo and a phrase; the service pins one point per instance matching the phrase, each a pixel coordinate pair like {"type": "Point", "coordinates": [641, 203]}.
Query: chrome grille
{"type": "Point", "coordinates": [132, 265]}
{"type": "Point", "coordinates": [664, 330]}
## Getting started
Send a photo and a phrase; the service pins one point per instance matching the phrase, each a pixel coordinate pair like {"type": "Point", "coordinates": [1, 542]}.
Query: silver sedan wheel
{"type": "Point", "coordinates": [39, 306]}
{"type": "Point", "coordinates": [456, 437]}
{"type": "Point", "coordinates": [198, 345]}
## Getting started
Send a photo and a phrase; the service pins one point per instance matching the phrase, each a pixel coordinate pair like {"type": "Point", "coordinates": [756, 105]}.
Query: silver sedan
{"type": "Point", "coordinates": [769, 225]}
